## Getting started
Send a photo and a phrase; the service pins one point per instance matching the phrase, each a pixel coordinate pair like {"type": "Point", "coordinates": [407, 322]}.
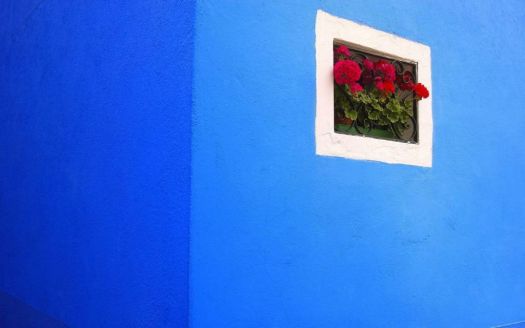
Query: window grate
{"type": "Point", "coordinates": [353, 117]}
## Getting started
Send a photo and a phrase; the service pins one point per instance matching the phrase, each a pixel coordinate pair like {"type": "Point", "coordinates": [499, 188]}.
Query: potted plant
{"type": "Point", "coordinates": [375, 94]}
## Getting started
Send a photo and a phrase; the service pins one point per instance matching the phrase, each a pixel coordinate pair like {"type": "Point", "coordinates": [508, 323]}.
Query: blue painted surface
{"type": "Point", "coordinates": [284, 238]}
{"type": "Point", "coordinates": [95, 159]}
{"type": "Point", "coordinates": [15, 313]}
{"type": "Point", "coordinates": [514, 325]}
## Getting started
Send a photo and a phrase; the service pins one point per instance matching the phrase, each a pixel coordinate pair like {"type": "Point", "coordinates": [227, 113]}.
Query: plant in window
{"type": "Point", "coordinates": [376, 95]}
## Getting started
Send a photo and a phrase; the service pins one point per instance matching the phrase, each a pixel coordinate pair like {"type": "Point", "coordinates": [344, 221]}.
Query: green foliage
{"type": "Point", "coordinates": [377, 107]}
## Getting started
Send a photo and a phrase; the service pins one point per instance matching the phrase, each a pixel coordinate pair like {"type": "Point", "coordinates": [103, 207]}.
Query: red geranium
{"type": "Point", "coordinates": [346, 72]}
{"type": "Point", "coordinates": [382, 91]}
{"type": "Point", "coordinates": [421, 91]}
{"type": "Point", "coordinates": [389, 87]}
{"type": "Point", "coordinates": [355, 87]}
{"type": "Point", "coordinates": [405, 82]}
{"type": "Point", "coordinates": [379, 83]}
{"type": "Point", "coordinates": [368, 64]}
{"type": "Point", "coordinates": [343, 50]}
{"type": "Point", "coordinates": [386, 70]}
{"type": "Point", "coordinates": [386, 86]}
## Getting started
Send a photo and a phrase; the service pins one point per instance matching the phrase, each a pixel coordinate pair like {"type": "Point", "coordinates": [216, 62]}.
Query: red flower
{"type": "Point", "coordinates": [405, 82]}
{"type": "Point", "coordinates": [385, 69]}
{"type": "Point", "coordinates": [389, 87]}
{"type": "Point", "coordinates": [386, 86]}
{"type": "Point", "coordinates": [421, 91]}
{"type": "Point", "coordinates": [367, 77]}
{"type": "Point", "coordinates": [406, 85]}
{"type": "Point", "coordinates": [343, 50]}
{"type": "Point", "coordinates": [355, 87]}
{"type": "Point", "coordinates": [368, 64]}
{"type": "Point", "coordinates": [346, 72]}
{"type": "Point", "coordinates": [379, 83]}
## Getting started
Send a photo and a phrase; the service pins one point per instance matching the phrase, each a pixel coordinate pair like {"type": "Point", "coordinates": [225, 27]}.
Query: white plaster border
{"type": "Point", "coordinates": [329, 143]}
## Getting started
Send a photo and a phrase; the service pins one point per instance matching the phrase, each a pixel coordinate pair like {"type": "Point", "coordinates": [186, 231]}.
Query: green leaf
{"type": "Point", "coordinates": [373, 115]}
{"type": "Point", "coordinates": [352, 114]}
{"type": "Point", "coordinates": [393, 117]}
{"type": "Point", "coordinates": [377, 107]}
{"type": "Point", "coordinates": [409, 109]}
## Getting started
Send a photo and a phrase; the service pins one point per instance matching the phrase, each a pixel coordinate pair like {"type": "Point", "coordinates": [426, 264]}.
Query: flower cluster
{"type": "Point", "coordinates": [348, 72]}
{"type": "Point", "coordinates": [374, 88]}
{"type": "Point", "coordinates": [380, 75]}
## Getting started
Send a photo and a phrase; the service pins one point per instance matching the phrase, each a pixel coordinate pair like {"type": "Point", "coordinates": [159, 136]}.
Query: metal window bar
{"type": "Point", "coordinates": [368, 129]}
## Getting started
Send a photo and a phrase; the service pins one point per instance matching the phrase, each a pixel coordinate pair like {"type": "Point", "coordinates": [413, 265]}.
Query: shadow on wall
{"type": "Point", "coordinates": [512, 325]}
{"type": "Point", "coordinates": [14, 313]}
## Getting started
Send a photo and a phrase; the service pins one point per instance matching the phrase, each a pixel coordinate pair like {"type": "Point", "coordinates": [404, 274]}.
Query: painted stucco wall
{"type": "Point", "coordinates": [95, 170]}
{"type": "Point", "coordinates": [284, 238]}
{"type": "Point", "coordinates": [95, 117]}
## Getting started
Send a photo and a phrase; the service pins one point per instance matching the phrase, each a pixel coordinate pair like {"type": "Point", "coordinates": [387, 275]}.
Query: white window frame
{"type": "Point", "coordinates": [328, 143]}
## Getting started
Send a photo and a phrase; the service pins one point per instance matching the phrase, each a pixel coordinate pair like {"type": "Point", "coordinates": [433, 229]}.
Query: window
{"type": "Point", "coordinates": [374, 115]}
{"type": "Point", "coordinates": [354, 112]}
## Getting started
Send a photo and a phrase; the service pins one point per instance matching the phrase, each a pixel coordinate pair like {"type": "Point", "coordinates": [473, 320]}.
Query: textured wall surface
{"type": "Point", "coordinates": [95, 180]}
{"type": "Point", "coordinates": [95, 115]}
{"type": "Point", "coordinates": [284, 238]}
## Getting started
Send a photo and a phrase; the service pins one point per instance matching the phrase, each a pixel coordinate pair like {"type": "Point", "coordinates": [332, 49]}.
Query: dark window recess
{"type": "Point", "coordinates": [375, 113]}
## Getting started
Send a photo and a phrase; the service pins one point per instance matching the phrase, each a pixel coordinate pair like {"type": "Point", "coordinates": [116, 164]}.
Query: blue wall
{"type": "Point", "coordinates": [284, 238]}
{"type": "Point", "coordinates": [95, 117]}
{"type": "Point", "coordinates": [95, 170]}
